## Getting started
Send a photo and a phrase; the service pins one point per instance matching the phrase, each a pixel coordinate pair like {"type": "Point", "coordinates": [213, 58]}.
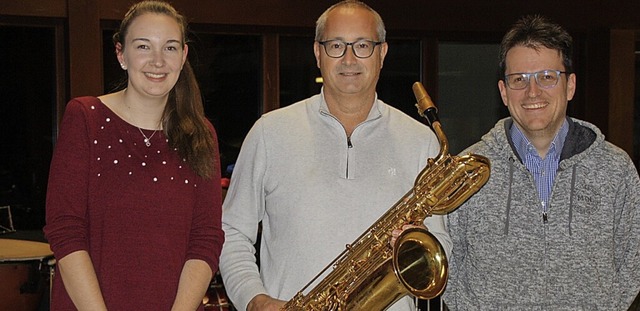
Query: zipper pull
{"type": "Point", "coordinates": [544, 217]}
{"type": "Point", "coordinates": [349, 145]}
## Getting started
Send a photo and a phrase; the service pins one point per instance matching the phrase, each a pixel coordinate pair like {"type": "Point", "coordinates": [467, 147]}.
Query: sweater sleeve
{"type": "Point", "coordinates": [243, 209]}
{"type": "Point", "coordinates": [450, 294]}
{"type": "Point", "coordinates": [437, 227]}
{"type": "Point", "coordinates": [67, 192]}
{"type": "Point", "coordinates": [207, 237]}
{"type": "Point", "coordinates": [627, 252]}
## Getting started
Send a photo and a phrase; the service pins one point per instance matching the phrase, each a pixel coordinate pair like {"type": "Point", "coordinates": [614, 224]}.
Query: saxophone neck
{"type": "Point", "coordinates": [427, 109]}
{"type": "Point", "coordinates": [442, 138]}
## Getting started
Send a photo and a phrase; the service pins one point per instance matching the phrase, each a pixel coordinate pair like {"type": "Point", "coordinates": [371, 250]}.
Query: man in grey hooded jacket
{"type": "Point", "coordinates": [557, 226]}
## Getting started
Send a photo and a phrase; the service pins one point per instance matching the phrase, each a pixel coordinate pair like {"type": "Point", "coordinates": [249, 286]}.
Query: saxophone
{"type": "Point", "coordinates": [370, 274]}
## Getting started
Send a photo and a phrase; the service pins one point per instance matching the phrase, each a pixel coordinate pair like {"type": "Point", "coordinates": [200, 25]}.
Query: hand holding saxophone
{"type": "Point", "coordinates": [397, 232]}
{"type": "Point", "coordinates": [265, 302]}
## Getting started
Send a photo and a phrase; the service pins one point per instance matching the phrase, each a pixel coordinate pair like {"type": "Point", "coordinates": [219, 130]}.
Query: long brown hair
{"type": "Point", "coordinates": [184, 122]}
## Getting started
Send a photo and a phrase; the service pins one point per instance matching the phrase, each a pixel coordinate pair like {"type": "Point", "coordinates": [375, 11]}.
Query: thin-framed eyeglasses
{"type": "Point", "coordinates": [545, 79]}
{"type": "Point", "coordinates": [362, 48]}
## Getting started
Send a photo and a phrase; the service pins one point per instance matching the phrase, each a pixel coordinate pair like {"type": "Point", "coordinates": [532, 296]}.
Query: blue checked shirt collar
{"type": "Point", "coordinates": [543, 170]}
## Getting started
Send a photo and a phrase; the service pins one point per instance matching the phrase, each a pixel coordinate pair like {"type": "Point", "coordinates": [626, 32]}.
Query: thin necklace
{"type": "Point", "coordinates": [147, 140]}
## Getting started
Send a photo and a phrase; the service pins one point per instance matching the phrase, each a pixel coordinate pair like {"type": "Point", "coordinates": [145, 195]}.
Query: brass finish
{"type": "Point", "coordinates": [370, 274]}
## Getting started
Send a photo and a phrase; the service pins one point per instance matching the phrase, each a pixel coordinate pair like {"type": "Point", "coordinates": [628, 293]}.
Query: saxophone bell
{"type": "Point", "coordinates": [418, 267]}
{"type": "Point", "coordinates": [420, 263]}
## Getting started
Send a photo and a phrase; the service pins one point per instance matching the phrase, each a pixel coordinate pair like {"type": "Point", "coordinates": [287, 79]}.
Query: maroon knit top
{"type": "Point", "coordinates": [139, 211]}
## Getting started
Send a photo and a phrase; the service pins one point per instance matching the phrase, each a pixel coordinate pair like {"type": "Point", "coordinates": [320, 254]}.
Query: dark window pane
{"type": "Point", "coordinates": [469, 102]}
{"type": "Point", "coordinates": [401, 69]}
{"type": "Point", "coordinates": [229, 71]}
{"type": "Point", "coordinates": [298, 70]}
{"type": "Point", "coordinates": [27, 101]}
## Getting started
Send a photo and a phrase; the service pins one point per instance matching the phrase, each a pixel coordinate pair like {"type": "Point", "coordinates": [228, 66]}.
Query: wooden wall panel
{"type": "Point", "coordinates": [39, 8]}
{"type": "Point", "coordinates": [290, 13]}
{"type": "Point", "coordinates": [85, 48]}
{"type": "Point", "coordinates": [594, 73]}
{"type": "Point", "coordinates": [622, 66]}
{"type": "Point", "coordinates": [451, 15]}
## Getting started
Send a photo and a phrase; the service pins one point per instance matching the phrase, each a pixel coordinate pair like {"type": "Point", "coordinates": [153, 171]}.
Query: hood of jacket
{"type": "Point", "coordinates": [582, 138]}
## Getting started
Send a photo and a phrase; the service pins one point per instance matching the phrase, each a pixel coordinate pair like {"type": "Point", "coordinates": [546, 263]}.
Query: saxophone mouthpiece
{"type": "Point", "coordinates": [426, 108]}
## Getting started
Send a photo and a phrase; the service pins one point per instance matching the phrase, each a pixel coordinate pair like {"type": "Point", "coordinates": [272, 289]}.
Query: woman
{"type": "Point", "coordinates": [134, 197]}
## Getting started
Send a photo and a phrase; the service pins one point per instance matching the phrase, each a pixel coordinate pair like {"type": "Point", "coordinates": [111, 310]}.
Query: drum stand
{"type": "Point", "coordinates": [6, 227]}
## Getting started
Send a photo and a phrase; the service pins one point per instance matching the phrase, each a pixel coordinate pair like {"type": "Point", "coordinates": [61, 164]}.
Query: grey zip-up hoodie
{"type": "Point", "coordinates": [586, 257]}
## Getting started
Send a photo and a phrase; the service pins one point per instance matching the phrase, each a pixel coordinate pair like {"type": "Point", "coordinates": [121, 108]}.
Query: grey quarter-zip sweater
{"type": "Point", "coordinates": [585, 257]}
{"type": "Point", "coordinates": [315, 190]}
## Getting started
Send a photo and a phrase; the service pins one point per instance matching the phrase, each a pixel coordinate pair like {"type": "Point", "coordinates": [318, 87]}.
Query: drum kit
{"type": "Point", "coordinates": [27, 269]}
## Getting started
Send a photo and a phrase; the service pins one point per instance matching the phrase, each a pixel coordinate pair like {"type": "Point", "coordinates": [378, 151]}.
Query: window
{"type": "Point", "coordinates": [229, 71]}
{"type": "Point", "coordinates": [401, 69]}
{"type": "Point", "coordinates": [469, 102]}
{"type": "Point", "coordinates": [298, 69]}
{"type": "Point", "coordinates": [27, 114]}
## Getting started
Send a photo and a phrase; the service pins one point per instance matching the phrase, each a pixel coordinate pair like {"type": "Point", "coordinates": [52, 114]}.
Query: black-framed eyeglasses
{"type": "Point", "coordinates": [361, 49]}
{"type": "Point", "coordinates": [545, 79]}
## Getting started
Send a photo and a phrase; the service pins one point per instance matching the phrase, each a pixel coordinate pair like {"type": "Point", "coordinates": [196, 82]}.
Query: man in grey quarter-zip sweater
{"type": "Point", "coordinates": [557, 226]}
{"type": "Point", "coordinates": [319, 172]}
